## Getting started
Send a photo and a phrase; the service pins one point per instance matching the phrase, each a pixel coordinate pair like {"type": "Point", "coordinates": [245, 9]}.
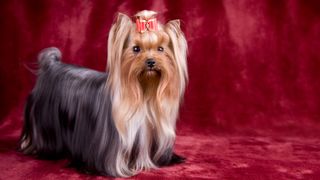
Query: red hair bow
{"type": "Point", "coordinates": [147, 25]}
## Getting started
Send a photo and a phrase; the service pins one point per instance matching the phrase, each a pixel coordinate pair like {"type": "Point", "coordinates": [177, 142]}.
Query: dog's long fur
{"type": "Point", "coordinates": [116, 123]}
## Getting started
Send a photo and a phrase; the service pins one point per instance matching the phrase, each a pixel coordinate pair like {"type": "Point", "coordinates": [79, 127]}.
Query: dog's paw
{"type": "Point", "coordinates": [177, 159]}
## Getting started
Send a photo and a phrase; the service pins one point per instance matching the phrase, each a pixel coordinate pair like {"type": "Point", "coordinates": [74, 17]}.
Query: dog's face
{"type": "Point", "coordinates": [149, 59]}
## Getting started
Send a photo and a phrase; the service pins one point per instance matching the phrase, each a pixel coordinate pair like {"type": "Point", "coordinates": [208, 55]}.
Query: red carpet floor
{"type": "Point", "coordinates": [254, 154]}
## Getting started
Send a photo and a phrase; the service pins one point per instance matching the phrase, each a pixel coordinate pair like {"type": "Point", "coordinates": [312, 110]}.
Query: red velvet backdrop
{"type": "Point", "coordinates": [253, 65]}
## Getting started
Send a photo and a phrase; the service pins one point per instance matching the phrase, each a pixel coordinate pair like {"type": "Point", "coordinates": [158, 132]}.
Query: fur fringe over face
{"type": "Point", "coordinates": [116, 123]}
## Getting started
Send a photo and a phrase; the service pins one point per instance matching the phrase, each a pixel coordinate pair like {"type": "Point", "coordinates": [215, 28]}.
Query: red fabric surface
{"type": "Point", "coordinates": [251, 110]}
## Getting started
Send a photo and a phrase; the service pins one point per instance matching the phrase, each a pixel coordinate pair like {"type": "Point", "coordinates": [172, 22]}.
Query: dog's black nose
{"type": "Point", "coordinates": [150, 62]}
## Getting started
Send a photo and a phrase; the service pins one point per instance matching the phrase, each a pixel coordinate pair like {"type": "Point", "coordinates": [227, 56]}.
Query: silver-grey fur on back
{"type": "Point", "coordinates": [68, 114]}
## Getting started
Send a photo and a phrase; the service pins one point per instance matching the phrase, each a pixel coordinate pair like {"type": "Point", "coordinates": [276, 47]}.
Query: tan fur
{"type": "Point", "coordinates": [145, 103]}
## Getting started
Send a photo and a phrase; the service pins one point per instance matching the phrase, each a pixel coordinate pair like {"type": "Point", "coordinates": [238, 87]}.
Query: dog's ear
{"type": "Point", "coordinates": [118, 35]}
{"type": "Point", "coordinates": [179, 47]}
{"type": "Point", "coordinates": [175, 22]}
{"type": "Point", "coordinates": [120, 16]}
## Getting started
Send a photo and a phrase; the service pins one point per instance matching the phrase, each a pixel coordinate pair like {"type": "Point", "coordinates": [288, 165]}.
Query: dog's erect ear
{"type": "Point", "coordinates": [118, 35]}
{"type": "Point", "coordinates": [179, 47]}
{"type": "Point", "coordinates": [175, 23]}
{"type": "Point", "coordinates": [121, 16]}
{"type": "Point", "coordinates": [121, 21]}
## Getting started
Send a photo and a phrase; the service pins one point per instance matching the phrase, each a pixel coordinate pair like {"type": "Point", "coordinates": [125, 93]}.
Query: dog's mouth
{"type": "Point", "coordinates": [150, 77]}
{"type": "Point", "coordinates": [151, 71]}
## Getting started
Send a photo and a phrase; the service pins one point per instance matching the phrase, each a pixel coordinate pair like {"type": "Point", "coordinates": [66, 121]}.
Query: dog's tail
{"type": "Point", "coordinates": [49, 56]}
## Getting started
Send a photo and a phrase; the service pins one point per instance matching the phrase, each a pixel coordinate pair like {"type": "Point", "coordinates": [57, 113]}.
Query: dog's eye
{"type": "Point", "coordinates": [160, 48]}
{"type": "Point", "coordinates": [136, 49]}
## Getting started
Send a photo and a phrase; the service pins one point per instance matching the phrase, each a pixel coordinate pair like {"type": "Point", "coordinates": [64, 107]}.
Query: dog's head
{"type": "Point", "coordinates": [146, 57]}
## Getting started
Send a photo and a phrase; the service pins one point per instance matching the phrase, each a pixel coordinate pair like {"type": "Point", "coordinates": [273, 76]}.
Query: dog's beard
{"type": "Point", "coordinates": [141, 84]}
{"type": "Point", "coordinates": [149, 103]}
{"type": "Point", "coordinates": [149, 80]}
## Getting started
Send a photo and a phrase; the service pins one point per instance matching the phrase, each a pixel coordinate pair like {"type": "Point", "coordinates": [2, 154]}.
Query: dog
{"type": "Point", "coordinates": [116, 123]}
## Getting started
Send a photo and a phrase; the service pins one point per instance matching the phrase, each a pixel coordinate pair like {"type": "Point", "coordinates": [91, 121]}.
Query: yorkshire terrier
{"type": "Point", "coordinates": [116, 123]}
